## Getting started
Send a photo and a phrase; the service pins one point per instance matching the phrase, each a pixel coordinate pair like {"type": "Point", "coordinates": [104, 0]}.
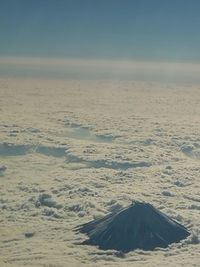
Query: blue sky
{"type": "Point", "coordinates": [127, 29]}
{"type": "Point", "coordinates": [101, 39]}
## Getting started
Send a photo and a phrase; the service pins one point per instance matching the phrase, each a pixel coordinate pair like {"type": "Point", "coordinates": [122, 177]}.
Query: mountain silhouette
{"type": "Point", "coordinates": [138, 226]}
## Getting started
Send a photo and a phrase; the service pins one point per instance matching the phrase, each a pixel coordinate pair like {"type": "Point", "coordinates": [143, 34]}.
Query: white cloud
{"type": "Point", "coordinates": [54, 134]}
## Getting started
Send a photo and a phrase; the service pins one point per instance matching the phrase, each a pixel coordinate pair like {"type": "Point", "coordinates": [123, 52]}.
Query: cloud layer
{"type": "Point", "coordinates": [99, 69]}
{"type": "Point", "coordinates": [73, 151]}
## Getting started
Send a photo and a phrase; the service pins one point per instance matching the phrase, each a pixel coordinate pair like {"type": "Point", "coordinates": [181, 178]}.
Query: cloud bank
{"type": "Point", "coordinates": [70, 68]}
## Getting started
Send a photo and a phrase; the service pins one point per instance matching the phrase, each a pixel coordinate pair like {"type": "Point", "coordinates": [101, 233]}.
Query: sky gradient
{"type": "Point", "coordinates": [127, 30]}
{"type": "Point", "coordinates": [130, 29]}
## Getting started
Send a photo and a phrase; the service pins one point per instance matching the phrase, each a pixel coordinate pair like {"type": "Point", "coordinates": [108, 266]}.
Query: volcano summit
{"type": "Point", "coordinates": [139, 226]}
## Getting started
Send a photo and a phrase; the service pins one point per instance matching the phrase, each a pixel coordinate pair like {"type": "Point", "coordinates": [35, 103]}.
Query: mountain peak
{"type": "Point", "coordinates": [138, 226]}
